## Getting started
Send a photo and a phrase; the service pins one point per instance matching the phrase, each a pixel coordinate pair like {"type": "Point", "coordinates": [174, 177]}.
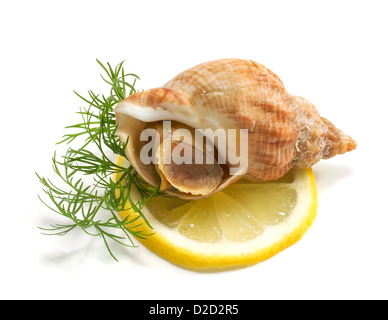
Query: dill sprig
{"type": "Point", "coordinates": [88, 197]}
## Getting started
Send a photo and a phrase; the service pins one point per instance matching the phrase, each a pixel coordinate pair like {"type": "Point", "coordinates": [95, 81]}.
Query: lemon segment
{"type": "Point", "coordinates": [200, 223]}
{"type": "Point", "coordinates": [241, 225]}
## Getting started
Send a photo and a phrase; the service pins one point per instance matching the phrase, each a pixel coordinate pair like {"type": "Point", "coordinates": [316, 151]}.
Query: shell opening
{"type": "Point", "coordinates": [183, 162]}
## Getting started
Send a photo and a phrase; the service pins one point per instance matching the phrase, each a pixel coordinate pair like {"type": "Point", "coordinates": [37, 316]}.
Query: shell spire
{"type": "Point", "coordinates": [337, 142]}
{"type": "Point", "coordinates": [318, 137]}
{"type": "Point", "coordinates": [283, 130]}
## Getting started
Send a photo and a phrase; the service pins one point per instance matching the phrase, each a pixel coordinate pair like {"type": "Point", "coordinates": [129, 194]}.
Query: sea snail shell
{"type": "Point", "coordinates": [282, 130]}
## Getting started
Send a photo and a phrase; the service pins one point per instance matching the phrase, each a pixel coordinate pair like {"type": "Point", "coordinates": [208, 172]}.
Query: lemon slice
{"type": "Point", "coordinates": [242, 225]}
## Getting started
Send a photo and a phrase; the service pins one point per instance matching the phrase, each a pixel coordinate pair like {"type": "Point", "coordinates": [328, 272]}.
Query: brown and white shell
{"type": "Point", "coordinates": [283, 130]}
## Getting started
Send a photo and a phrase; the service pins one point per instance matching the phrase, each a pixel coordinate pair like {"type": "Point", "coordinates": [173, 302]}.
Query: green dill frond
{"type": "Point", "coordinates": [86, 194]}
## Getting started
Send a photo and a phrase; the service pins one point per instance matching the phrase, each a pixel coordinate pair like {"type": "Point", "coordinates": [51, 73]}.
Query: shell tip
{"type": "Point", "coordinates": [347, 144]}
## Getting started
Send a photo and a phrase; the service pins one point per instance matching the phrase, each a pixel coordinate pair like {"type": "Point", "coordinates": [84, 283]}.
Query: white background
{"type": "Point", "coordinates": [333, 53]}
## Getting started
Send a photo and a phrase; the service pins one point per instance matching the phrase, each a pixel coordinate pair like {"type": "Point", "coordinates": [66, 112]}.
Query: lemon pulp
{"type": "Point", "coordinates": [240, 212]}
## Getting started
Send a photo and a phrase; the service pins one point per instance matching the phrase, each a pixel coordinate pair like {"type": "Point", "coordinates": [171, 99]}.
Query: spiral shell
{"type": "Point", "coordinates": [283, 130]}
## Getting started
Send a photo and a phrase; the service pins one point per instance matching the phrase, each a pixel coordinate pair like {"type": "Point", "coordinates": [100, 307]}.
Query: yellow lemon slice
{"type": "Point", "coordinates": [242, 225]}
